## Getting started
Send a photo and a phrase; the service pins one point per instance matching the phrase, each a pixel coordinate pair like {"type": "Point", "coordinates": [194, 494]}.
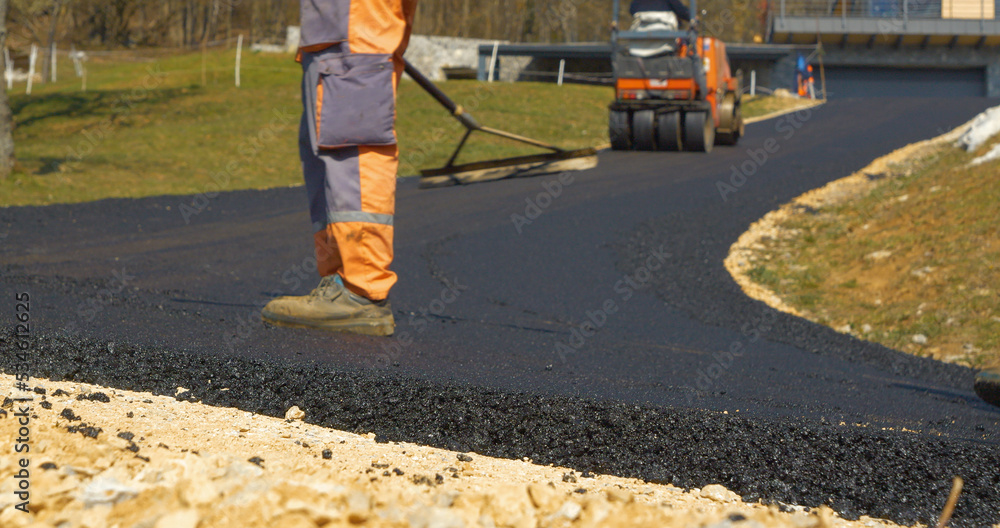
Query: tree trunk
{"type": "Point", "coordinates": [464, 24]}
{"type": "Point", "coordinates": [50, 42]}
{"type": "Point", "coordinates": [6, 118]}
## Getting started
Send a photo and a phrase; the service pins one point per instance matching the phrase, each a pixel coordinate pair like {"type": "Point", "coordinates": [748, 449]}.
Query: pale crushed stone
{"type": "Point", "coordinates": [198, 475]}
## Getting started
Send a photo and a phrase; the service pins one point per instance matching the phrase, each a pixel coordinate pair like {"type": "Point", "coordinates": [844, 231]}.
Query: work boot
{"type": "Point", "coordinates": [988, 385]}
{"type": "Point", "coordinates": [331, 306]}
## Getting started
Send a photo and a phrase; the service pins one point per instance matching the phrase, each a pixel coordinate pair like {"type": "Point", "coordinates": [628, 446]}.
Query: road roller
{"type": "Point", "coordinates": [674, 89]}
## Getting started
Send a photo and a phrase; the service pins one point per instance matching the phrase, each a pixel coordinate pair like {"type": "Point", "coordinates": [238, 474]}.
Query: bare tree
{"type": "Point", "coordinates": [50, 42]}
{"type": "Point", "coordinates": [7, 159]}
{"type": "Point", "coordinates": [128, 23]}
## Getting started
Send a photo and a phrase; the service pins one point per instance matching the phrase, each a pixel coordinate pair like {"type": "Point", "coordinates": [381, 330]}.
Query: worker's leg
{"type": "Point", "coordinates": [352, 212]}
{"type": "Point", "coordinates": [351, 201]}
{"type": "Point", "coordinates": [354, 234]}
{"type": "Point", "coordinates": [349, 158]}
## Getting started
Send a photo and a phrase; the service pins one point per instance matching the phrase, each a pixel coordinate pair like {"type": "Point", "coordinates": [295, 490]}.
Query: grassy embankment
{"type": "Point", "coordinates": [154, 127]}
{"type": "Point", "coordinates": [762, 105]}
{"type": "Point", "coordinates": [135, 133]}
{"type": "Point", "coordinates": [913, 264]}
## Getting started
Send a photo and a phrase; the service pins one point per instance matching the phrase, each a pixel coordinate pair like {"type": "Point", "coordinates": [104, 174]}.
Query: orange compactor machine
{"type": "Point", "coordinates": [673, 88]}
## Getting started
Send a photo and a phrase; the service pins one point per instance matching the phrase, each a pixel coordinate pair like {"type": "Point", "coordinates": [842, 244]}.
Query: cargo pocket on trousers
{"type": "Point", "coordinates": [354, 101]}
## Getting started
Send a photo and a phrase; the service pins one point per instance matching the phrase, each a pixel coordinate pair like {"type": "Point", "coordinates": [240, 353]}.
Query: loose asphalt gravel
{"type": "Point", "coordinates": [598, 330]}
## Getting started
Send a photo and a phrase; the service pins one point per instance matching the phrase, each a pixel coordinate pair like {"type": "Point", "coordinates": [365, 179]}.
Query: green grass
{"type": "Point", "coordinates": [161, 126]}
{"type": "Point", "coordinates": [759, 105]}
{"type": "Point", "coordinates": [148, 128]}
{"type": "Point", "coordinates": [938, 218]}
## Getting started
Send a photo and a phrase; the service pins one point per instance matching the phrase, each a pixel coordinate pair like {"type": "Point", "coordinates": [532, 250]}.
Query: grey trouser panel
{"type": "Point", "coordinates": [357, 110]}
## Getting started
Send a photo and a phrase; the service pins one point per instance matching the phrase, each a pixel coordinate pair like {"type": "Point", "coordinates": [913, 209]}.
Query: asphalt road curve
{"type": "Point", "coordinates": [585, 321]}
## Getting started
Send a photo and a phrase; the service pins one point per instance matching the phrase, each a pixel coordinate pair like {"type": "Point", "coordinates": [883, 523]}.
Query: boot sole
{"type": "Point", "coordinates": [381, 326]}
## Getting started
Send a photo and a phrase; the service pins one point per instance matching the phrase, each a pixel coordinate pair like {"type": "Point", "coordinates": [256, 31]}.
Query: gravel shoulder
{"type": "Point", "coordinates": [765, 238]}
{"type": "Point", "coordinates": [106, 457]}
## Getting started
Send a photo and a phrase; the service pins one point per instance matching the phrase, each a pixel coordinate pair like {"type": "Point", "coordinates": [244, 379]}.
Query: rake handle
{"type": "Point", "coordinates": [464, 117]}
{"type": "Point", "coordinates": [467, 120]}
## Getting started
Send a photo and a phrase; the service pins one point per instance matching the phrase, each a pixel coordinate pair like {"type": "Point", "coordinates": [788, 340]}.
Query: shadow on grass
{"type": "Point", "coordinates": [50, 165]}
{"type": "Point", "coordinates": [29, 110]}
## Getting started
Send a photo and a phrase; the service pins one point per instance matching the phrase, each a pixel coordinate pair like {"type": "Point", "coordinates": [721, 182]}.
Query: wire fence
{"type": "Point", "coordinates": [29, 66]}
{"type": "Point", "coordinates": [916, 9]}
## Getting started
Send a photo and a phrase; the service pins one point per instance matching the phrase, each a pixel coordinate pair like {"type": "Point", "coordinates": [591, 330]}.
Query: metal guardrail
{"type": "Point", "coordinates": [896, 9]}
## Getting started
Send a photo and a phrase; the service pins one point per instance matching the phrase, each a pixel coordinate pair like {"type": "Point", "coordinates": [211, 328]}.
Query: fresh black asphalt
{"type": "Point", "coordinates": [587, 322]}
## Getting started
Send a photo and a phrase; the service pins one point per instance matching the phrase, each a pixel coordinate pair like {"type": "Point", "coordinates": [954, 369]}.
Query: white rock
{"type": "Point", "coordinates": [294, 413]}
{"type": "Point", "coordinates": [106, 490]}
{"type": "Point", "coordinates": [432, 517]}
{"type": "Point", "coordinates": [198, 491]}
{"type": "Point", "coordinates": [718, 493]}
{"type": "Point", "coordinates": [178, 519]}
{"type": "Point", "coordinates": [570, 510]}
{"type": "Point", "coordinates": [920, 339]}
{"type": "Point", "coordinates": [866, 328]}
{"type": "Point", "coordinates": [358, 502]}
{"type": "Point", "coordinates": [881, 254]}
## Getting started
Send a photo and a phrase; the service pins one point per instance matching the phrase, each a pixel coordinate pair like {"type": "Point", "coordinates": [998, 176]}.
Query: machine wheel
{"type": "Point", "coordinates": [699, 131]}
{"type": "Point", "coordinates": [644, 130]}
{"type": "Point", "coordinates": [730, 121]}
{"type": "Point", "coordinates": [671, 134]}
{"type": "Point", "coordinates": [619, 130]}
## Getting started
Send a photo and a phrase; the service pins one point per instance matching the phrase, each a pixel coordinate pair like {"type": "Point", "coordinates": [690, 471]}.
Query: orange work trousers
{"type": "Point", "coordinates": [351, 53]}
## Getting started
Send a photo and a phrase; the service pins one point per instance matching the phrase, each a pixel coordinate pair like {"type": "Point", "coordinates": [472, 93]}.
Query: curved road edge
{"type": "Point", "coordinates": [739, 262]}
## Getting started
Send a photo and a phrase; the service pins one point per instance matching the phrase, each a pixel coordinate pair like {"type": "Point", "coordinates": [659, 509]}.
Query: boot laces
{"type": "Point", "coordinates": [329, 287]}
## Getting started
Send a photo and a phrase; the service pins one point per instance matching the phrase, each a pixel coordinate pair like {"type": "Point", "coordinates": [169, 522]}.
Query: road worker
{"type": "Point", "coordinates": [351, 53]}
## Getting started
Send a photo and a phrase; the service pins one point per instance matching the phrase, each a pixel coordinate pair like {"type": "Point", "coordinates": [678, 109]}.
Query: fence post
{"type": "Point", "coordinates": [562, 70]}
{"type": "Point", "coordinates": [753, 83]}
{"type": "Point", "coordinates": [239, 53]}
{"type": "Point", "coordinates": [52, 63]}
{"type": "Point", "coordinates": [493, 59]}
{"type": "Point", "coordinates": [78, 57]}
{"type": "Point", "coordinates": [31, 67]}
